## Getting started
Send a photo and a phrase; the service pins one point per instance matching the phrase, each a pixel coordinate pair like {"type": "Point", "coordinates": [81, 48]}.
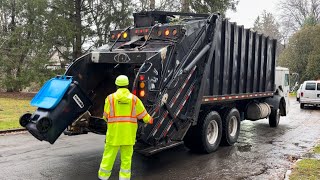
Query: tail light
{"type": "Point", "coordinates": [141, 86]}
{"type": "Point", "coordinates": [301, 94]}
{"type": "Point", "coordinates": [141, 77]}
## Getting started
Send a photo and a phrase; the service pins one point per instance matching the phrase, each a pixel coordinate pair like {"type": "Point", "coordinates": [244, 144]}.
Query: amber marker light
{"type": "Point", "coordinates": [113, 36]}
{"type": "Point", "coordinates": [142, 85]}
{"type": "Point", "coordinates": [174, 32]}
{"type": "Point", "coordinates": [119, 35]}
{"type": "Point", "coordinates": [167, 32]}
{"type": "Point", "coordinates": [159, 33]}
{"type": "Point", "coordinates": [142, 93]}
{"type": "Point", "coordinates": [125, 35]}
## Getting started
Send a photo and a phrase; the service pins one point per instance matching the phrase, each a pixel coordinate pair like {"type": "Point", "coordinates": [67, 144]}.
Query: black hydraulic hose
{"type": "Point", "coordinates": [197, 58]}
{"type": "Point", "coordinates": [144, 43]}
{"type": "Point", "coordinates": [118, 38]}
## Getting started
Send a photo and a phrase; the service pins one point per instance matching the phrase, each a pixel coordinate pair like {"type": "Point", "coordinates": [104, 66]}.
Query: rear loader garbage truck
{"type": "Point", "coordinates": [198, 75]}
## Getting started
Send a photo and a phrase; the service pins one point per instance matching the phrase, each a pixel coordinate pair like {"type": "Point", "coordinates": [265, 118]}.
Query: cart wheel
{"type": "Point", "coordinates": [25, 119]}
{"type": "Point", "coordinates": [43, 124]}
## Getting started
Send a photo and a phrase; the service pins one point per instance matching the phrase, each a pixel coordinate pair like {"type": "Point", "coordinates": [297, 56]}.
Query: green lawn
{"type": "Point", "coordinates": [10, 111]}
{"type": "Point", "coordinates": [307, 168]}
{"type": "Point", "coordinates": [316, 149]}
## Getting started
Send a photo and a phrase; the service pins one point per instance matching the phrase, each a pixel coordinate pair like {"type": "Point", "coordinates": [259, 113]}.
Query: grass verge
{"type": "Point", "coordinates": [10, 111]}
{"type": "Point", "coordinates": [307, 168]}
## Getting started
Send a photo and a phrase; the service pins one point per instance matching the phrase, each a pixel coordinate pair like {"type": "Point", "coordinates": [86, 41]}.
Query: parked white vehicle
{"type": "Point", "coordinates": [298, 92]}
{"type": "Point", "coordinates": [310, 93]}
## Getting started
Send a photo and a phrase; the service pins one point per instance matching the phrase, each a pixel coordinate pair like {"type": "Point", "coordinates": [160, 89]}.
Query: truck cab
{"type": "Point", "coordinates": [282, 81]}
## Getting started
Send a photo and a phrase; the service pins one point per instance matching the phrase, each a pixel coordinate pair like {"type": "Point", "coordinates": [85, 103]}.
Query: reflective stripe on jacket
{"type": "Point", "coordinates": [122, 109]}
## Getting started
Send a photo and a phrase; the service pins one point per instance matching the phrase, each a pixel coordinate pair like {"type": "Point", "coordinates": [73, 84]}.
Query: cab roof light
{"type": "Point", "coordinates": [118, 35]}
{"type": "Point", "coordinates": [113, 36]}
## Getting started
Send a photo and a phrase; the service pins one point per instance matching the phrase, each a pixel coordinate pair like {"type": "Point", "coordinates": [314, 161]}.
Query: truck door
{"type": "Point", "coordinates": [286, 89]}
{"type": "Point", "coordinates": [282, 80]}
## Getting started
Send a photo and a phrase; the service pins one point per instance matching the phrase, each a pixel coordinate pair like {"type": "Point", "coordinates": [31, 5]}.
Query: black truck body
{"type": "Point", "coordinates": [201, 76]}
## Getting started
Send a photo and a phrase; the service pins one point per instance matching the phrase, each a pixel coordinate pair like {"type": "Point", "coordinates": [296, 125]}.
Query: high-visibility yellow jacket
{"type": "Point", "coordinates": [121, 110]}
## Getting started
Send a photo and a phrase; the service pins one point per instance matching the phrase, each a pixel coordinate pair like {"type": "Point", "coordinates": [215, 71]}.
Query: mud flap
{"type": "Point", "coordinates": [48, 124]}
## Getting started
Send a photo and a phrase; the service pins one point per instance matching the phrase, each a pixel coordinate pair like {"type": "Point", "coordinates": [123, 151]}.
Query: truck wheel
{"type": "Point", "coordinates": [274, 117]}
{"type": "Point", "coordinates": [25, 119]}
{"type": "Point", "coordinates": [231, 127]}
{"type": "Point", "coordinates": [206, 135]}
{"type": "Point", "coordinates": [301, 105]}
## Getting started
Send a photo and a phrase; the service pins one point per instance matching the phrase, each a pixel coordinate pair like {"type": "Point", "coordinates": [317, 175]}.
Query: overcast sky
{"type": "Point", "coordinates": [249, 10]}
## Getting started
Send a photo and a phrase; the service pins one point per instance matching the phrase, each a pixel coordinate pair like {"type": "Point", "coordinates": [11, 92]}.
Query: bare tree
{"type": "Point", "coordinates": [267, 24]}
{"type": "Point", "coordinates": [295, 13]}
{"type": "Point", "coordinates": [185, 5]}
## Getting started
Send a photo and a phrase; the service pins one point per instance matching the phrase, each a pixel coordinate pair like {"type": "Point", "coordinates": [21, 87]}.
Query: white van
{"type": "Point", "coordinates": [310, 93]}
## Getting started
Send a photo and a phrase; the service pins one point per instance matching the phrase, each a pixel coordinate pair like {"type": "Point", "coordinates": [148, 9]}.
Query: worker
{"type": "Point", "coordinates": [121, 110]}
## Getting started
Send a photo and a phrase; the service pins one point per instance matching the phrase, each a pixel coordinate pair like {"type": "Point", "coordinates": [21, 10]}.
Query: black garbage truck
{"type": "Point", "coordinates": [198, 75]}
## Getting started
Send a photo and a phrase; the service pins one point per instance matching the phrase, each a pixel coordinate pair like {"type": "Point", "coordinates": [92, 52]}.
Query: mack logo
{"type": "Point", "coordinates": [121, 58]}
{"type": "Point", "coordinates": [78, 101]}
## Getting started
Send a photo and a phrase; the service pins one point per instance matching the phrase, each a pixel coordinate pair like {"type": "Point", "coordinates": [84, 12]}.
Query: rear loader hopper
{"type": "Point", "coordinates": [198, 76]}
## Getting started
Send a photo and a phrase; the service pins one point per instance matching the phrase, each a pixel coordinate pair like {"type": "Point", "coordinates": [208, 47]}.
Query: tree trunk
{"type": "Point", "coordinates": [152, 4]}
{"type": "Point", "coordinates": [77, 49]}
{"type": "Point", "coordinates": [13, 16]}
{"type": "Point", "coordinates": [185, 6]}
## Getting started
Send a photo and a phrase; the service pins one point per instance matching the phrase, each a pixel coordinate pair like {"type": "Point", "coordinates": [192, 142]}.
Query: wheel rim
{"type": "Point", "coordinates": [233, 126]}
{"type": "Point", "coordinates": [212, 132]}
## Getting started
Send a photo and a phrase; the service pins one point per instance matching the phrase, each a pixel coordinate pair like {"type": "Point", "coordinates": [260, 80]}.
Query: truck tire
{"type": "Point", "coordinates": [230, 127]}
{"type": "Point", "coordinates": [301, 105]}
{"type": "Point", "coordinates": [205, 137]}
{"type": "Point", "coordinates": [274, 117]}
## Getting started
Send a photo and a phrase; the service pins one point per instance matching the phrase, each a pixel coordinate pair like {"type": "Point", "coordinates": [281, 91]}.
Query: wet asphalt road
{"type": "Point", "coordinates": [261, 153]}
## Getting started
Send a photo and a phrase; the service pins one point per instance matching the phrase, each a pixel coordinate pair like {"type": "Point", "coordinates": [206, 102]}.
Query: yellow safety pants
{"type": "Point", "coordinates": [109, 156]}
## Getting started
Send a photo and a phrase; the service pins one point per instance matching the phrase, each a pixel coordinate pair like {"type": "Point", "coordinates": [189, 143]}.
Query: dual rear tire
{"type": "Point", "coordinates": [212, 130]}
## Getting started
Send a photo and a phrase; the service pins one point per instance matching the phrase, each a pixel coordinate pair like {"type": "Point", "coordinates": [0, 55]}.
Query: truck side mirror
{"type": "Point", "coordinates": [280, 87]}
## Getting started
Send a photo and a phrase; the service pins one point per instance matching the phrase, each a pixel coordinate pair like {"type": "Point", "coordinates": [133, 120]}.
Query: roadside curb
{"type": "Point", "coordinates": [12, 130]}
